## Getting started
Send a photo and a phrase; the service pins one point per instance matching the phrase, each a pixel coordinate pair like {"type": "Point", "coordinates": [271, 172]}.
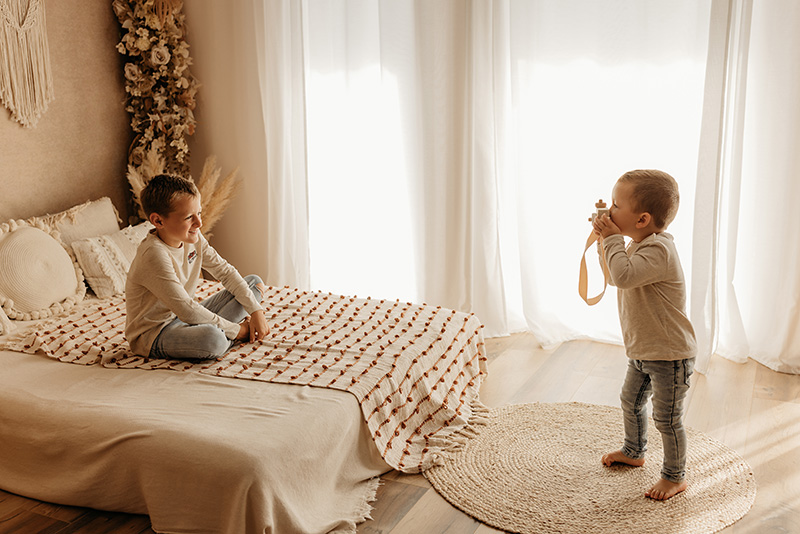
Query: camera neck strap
{"type": "Point", "coordinates": [583, 278]}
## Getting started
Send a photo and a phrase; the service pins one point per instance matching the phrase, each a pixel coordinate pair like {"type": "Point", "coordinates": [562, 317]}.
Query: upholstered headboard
{"type": "Point", "coordinates": [78, 149]}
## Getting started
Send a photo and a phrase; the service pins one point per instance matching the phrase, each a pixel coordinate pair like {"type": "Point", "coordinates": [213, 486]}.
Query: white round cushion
{"type": "Point", "coordinates": [39, 278]}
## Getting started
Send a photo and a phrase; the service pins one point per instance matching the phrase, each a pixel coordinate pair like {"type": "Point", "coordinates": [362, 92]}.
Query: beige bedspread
{"type": "Point", "coordinates": [198, 453]}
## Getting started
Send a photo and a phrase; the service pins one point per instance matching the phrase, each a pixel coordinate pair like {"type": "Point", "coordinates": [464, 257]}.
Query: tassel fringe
{"type": "Point", "coordinates": [454, 442]}
{"type": "Point", "coordinates": [26, 81]}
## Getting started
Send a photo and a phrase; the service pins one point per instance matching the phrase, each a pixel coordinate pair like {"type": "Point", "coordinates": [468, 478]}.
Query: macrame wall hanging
{"type": "Point", "coordinates": [26, 81]}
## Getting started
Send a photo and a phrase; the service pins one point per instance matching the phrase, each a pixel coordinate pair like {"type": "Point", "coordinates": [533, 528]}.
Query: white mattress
{"type": "Point", "coordinates": [198, 453]}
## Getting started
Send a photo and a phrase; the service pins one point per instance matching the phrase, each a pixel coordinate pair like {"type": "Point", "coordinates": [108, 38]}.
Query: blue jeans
{"type": "Point", "coordinates": [667, 382]}
{"type": "Point", "coordinates": [183, 341]}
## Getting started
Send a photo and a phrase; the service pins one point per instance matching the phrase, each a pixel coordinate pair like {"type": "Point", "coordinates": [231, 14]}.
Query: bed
{"type": "Point", "coordinates": [288, 435]}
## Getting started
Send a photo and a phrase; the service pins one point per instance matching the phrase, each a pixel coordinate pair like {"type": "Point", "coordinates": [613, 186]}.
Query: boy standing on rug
{"type": "Point", "coordinates": [163, 318]}
{"type": "Point", "coordinates": [658, 336]}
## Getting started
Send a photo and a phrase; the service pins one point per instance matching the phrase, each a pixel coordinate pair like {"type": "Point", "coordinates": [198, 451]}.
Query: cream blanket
{"type": "Point", "coordinates": [197, 453]}
{"type": "Point", "coordinates": [414, 369]}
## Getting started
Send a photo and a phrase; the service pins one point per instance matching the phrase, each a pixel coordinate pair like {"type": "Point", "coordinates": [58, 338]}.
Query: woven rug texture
{"type": "Point", "coordinates": [536, 469]}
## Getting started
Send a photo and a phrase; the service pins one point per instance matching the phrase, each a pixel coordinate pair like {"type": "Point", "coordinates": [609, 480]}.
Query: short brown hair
{"type": "Point", "coordinates": [654, 192]}
{"type": "Point", "coordinates": [162, 190]}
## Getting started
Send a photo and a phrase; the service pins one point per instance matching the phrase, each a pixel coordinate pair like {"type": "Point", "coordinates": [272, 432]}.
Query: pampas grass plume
{"type": "Point", "coordinates": [215, 195]}
{"type": "Point", "coordinates": [152, 165]}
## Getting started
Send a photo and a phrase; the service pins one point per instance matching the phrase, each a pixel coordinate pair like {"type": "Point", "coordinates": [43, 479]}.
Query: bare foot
{"type": "Point", "coordinates": [664, 489]}
{"type": "Point", "coordinates": [617, 457]}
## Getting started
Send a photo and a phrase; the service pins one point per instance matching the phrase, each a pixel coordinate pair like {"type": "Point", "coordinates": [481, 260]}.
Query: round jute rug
{"type": "Point", "coordinates": [536, 469]}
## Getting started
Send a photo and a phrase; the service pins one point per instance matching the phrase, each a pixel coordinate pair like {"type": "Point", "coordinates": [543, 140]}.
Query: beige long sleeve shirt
{"type": "Point", "coordinates": [161, 285]}
{"type": "Point", "coordinates": [651, 293]}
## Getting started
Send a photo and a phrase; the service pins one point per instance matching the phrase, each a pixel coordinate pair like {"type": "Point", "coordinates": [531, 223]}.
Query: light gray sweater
{"type": "Point", "coordinates": [651, 295]}
{"type": "Point", "coordinates": [161, 285]}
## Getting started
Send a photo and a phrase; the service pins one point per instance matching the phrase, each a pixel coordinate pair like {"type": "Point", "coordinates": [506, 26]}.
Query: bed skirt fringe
{"type": "Point", "coordinates": [364, 509]}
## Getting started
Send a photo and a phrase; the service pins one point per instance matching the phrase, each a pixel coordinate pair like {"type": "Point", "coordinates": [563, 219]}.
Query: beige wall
{"type": "Point", "coordinates": [78, 149]}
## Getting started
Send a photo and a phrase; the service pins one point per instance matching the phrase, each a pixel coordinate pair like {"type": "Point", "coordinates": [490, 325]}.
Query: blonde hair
{"type": "Point", "coordinates": [654, 192]}
{"type": "Point", "coordinates": [161, 191]}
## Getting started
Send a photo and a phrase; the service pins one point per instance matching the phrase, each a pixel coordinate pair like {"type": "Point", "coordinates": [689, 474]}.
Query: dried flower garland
{"type": "Point", "coordinates": [161, 100]}
{"type": "Point", "coordinates": [161, 90]}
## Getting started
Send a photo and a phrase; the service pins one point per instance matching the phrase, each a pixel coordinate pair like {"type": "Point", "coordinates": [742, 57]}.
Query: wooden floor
{"type": "Point", "coordinates": [748, 407]}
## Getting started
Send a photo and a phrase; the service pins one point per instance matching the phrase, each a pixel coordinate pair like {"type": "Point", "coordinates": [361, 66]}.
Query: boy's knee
{"type": "Point", "coordinates": [667, 423]}
{"type": "Point", "coordinates": [212, 342]}
{"type": "Point", "coordinates": [253, 280]}
{"type": "Point", "coordinates": [256, 285]}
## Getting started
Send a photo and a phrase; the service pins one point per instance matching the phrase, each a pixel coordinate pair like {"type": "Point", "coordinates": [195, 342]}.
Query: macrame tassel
{"type": "Point", "coordinates": [26, 81]}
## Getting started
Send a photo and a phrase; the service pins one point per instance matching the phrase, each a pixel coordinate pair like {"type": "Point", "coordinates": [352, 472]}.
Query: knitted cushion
{"type": "Point", "coordinates": [39, 278]}
{"type": "Point", "coordinates": [93, 218]}
{"type": "Point", "coordinates": [105, 259]}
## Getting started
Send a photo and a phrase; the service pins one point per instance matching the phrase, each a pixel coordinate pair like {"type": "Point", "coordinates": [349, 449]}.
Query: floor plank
{"type": "Point", "coordinates": [560, 375]}
{"type": "Point", "coordinates": [721, 401]}
{"type": "Point", "coordinates": [771, 449]}
{"type": "Point", "coordinates": [27, 521]}
{"type": "Point", "coordinates": [509, 373]}
{"type": "Point", "coordinates": [395, 500]}
{"type": "Point", "coordinates": [431, 513]}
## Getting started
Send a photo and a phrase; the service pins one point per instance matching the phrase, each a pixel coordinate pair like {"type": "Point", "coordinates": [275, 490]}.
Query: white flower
{"type": "Point", "coordinates": [160, 55]}
{"type": "Point", "coordinates": [133, 73]}
{"type": "Point", "coordinates": [121, 8]}
{"type": "Point", "coordinates": [153, 21]}
{"type": "Point", "coordinates": [143, 44]}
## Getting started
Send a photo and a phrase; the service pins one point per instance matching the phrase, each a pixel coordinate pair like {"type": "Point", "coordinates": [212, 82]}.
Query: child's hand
{"type": "Point", "coordinates": [604, 226]}
{"type": "Point", "coordinates": [258, 325]}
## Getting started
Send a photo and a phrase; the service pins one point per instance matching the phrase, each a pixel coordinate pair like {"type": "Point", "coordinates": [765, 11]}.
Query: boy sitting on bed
{"type": "Point", "coordinates": [163, 318]}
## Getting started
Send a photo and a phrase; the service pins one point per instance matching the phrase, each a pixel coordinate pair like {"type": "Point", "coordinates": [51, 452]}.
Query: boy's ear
{"type": "Point", "coordinates": [643, 220]}
{"type": "Point", "coordinates": [156, 220]}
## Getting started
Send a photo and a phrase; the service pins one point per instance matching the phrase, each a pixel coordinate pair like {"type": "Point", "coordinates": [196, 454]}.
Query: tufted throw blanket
{"type": "Point", "coordinates": [415, 369]}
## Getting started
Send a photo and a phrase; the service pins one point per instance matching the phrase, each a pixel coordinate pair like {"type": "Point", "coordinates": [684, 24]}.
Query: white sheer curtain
{"type": "Point", "coordinates": [457, 148]}
{"type": "Point", "coordinates": [600, 88]}
{"type": "Point", "coordinates": [452, 151]}
{"type": "Point", "coordinates": [405, 103]}
{"type": "Point", "coordinates": [248, 57]}
{"type": "Point", "coordinates": [746, 296]}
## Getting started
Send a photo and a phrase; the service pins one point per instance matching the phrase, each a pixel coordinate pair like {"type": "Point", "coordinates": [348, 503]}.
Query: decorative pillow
{"type": "Point", "coordinates": [39, 278]}
{"type": "Point", "coordinates": [106, 259]}
{"type": "Point", "coordinates": [90, 219]}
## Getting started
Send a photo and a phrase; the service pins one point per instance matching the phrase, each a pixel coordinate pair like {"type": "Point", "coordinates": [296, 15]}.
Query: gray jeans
{"type": "Point", "coordinates": [667, 382]}
{"type": "Point", "coordinates": [183, 341]}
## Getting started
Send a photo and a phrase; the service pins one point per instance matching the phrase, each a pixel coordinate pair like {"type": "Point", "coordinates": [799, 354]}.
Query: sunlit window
{"type": "Point", "coordinates": [593, 93]}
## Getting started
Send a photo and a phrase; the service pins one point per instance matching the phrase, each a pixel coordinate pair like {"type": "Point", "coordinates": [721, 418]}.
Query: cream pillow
{"type": "Point", "coordinates": [39, 278]}
{"type": "Point", "coordinates": [90, 219]}
{"type": "Point", "coordinates": [106, 259]}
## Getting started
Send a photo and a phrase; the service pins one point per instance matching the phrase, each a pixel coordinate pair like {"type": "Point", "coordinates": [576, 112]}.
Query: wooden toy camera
{"type": "Point", "coordinates": [601, 209]}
